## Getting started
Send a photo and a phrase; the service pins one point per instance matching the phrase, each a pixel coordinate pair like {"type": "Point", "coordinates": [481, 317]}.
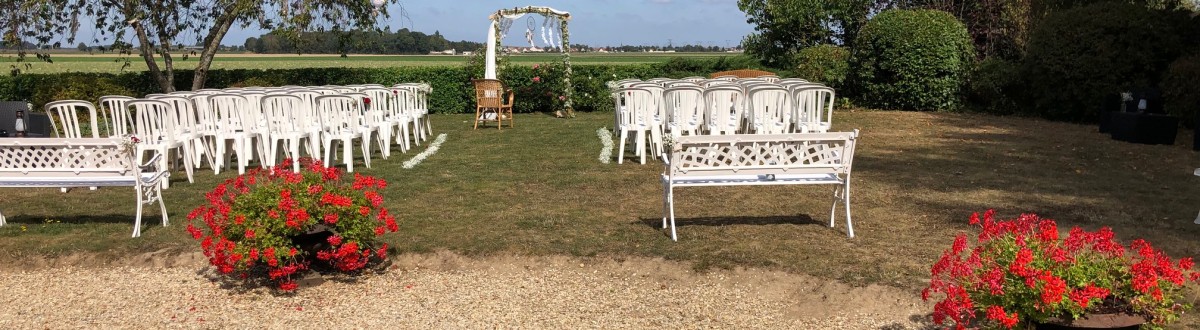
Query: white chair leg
{"type": "Point", "coordinates": [348, 154]}
{"type": "Point", "coordinates": [163, 164]}
{"type": "Point", "coordinates": [366, 149]}
{"type": "Point", "coordinates": [221, 158]}
{"type": "Point", "coordinates": [3, 221]}
{"type": "Point", "coordinates": [328, 151]}
{"type": "Point", "coordinates": [621, 153]}
{"type": "Point", "coordinates": [295, 156]}
{"type": "Point", "coordinates": [641, 145]}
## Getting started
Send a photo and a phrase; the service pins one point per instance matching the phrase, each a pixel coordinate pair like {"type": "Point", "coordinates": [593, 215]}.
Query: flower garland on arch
{"type": "Point", "coordinates": [563, 18]}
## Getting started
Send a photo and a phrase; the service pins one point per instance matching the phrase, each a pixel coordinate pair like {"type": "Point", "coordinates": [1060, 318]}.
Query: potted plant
{"type": "Point", "coordinates": [1022, 272]}
{"type": "Point", "coordinates": [274, 224]}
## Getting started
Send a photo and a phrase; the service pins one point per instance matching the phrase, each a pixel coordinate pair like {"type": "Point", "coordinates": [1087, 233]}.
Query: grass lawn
{"type": "Point", "coordinates": [82, 62]}
{"type": "Point", "coordinates": [538, 189]}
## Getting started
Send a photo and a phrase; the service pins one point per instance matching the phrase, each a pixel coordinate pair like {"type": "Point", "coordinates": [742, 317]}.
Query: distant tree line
{"type": "Point", "coordinates": [684, 48]}
{"type": "Point", "coordinates": [402, 41]}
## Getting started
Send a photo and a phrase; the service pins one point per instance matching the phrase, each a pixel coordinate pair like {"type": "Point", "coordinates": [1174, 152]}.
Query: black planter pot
{"type": "Point", "coordinates": [1115, 321]}
{"type": "Point", "coordinates": [1144, 128]}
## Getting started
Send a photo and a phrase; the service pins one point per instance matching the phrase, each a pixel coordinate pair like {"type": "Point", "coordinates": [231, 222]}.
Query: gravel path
{"type": "Point", "coordinates": [445, 291]}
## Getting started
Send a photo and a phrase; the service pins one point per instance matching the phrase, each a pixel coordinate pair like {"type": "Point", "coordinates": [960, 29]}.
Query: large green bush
{"type": "Point", "coordinates": [827, 64]}
{"type": "Point", "coordinates": [911, 60]}
{"type": "Point", "coordinates": [1181, 89]}
{"type": "Point", "coordinates": [1079, 56]}
{"type": "Point", "coordinates": [452, 88]}
{"type": "Point", "coordinates": [994, 87]}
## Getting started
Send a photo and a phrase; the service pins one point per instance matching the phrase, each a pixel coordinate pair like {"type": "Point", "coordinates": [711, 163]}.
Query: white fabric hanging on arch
{"type": "Point", "coordinates": [489, 71]}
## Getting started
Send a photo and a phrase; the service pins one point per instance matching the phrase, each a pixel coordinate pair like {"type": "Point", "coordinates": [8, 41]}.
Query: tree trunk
{"type": "Point", "coordinates": [211, 43]}
{"type": "Point", "coordinates": [166, 82]}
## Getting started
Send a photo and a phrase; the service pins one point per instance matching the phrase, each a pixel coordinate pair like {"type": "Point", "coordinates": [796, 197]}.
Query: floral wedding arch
{"type": "Point", "coordinates": [502, 20]}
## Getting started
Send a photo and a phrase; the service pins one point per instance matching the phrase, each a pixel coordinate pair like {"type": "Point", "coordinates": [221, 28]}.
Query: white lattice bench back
{"type": "Point", "coordinates": [760, 159]}
{"type": "Point", "coordinates": [66, 163]}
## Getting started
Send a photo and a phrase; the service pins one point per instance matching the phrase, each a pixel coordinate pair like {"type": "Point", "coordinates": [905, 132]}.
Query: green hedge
{"type": "Point", "coordinates": [1181, 89]}
{"type": "Point", "coordinates": [1078, 58]}
{"type": "Point", "coordinates": [452, 88]}
{"type": "Point", "coordinates": [827, 64]}
{"type": "Point", "coordinates": [911, 60]}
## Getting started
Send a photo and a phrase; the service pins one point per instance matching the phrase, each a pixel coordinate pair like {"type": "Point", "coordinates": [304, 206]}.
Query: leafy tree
{"type": "Point", "coordinates": [159, 25]}
{"type": "Point", "coordinates": [783, 27]}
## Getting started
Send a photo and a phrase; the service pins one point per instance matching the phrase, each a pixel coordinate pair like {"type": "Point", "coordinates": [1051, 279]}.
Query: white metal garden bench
{"type": "Point", "coordinates": [81, 162]}
{"type": "Point", "coordinates": [760, 159]}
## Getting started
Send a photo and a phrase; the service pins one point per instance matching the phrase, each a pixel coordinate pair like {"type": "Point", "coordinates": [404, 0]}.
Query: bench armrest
{"type": "Point", "coordinates": [152, 167]}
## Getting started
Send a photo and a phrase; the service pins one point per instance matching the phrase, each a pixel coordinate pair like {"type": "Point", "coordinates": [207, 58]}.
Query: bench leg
{"type": "Point", "coordinates": [2, 221]}
{"type": "Point", "coordinates": [846, 202]}
{"type": "Point", "coordinates": [671, 210]}
{"type": "Point", "coordinates": [665, 205]}
{"type": "Point", "coordinates": [137, 221]}
{"type": "Point", "coordinates": [841, 195]}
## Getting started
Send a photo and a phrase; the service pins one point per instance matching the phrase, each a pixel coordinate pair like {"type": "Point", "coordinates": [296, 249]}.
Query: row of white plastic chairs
{"type": "Point", "coordinates": [205, 124]}
{"type": "Point", "coordinates": [653, 108]}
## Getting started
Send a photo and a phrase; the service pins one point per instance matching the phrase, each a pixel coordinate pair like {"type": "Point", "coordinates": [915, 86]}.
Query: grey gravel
{"type": "Point", "coordinates": [445, 291]}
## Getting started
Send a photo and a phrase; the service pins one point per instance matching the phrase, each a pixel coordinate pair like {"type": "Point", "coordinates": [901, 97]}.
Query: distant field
{"type": "Point", "coordinates": [113, 63]}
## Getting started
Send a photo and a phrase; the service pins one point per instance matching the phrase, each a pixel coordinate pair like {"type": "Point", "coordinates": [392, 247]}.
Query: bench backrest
{"type": "Point", "coordinates": [794, 153]}
{"type": "Point", "coordinates": [62, 157]}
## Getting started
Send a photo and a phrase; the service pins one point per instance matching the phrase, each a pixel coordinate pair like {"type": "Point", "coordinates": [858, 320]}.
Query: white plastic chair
{"type": "Point", "coordinates": [814, 108]}
{"type": "Point", "coordinates": [313, 125]}
{"type": "Point", "coordinates": [231, 117]}
{"type": "Point", "coordinates": [114, 116]}
{"type": "Point", "coordinates": [420, 109]}
{"type": "Point", "coordinates": [188, 128]}
{"type": "Point", "coordinates": [65, 114]}
{"type": "Point", "coordinates": [402, 115]}
{"type": "Point", "coordinates": [637, 119]}
{"type": "Point", "coordinates": [726, 106]}
{"type": "Point", "coordinates": [377, 116]}
{"type": "Point", "coordinates": [286, 117]}
{"type": "Point", "coordinates": [770, 108]}
{"type": "Point", "coordinates": [341, 118]}
{"type": "Point", "coordinates": [155, 125]}
{"type": "Point", "coordinates": [685, 109]}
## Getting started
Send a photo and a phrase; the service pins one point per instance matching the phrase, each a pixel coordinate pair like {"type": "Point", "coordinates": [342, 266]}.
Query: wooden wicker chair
{"type": "Point", "coordinates": [744, 73]}
{"type": "Point", "coordinates": [489, 102]}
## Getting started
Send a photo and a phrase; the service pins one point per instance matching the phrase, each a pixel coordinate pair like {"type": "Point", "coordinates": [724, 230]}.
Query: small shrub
{"type": "Point", "coordinates": [827, 64]}
{"type": "Point", "coordinates": [87, 87]}
{"type": "Point", "coordinates": [994, 87]}
{"type": "Point", "coordinates": [1181, 89]}
{"type": "Point", "coordinates": [271, 225]}
{"type": "Point", "coordinates": [911, 60]}
{"type": "Point", "coordinates": [1079, 56]}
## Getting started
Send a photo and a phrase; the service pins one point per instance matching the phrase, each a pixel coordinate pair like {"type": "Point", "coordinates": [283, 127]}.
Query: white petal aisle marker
{"type": "Point", "coordinates": [433, 149]}
{"type": "Point", "coordinates": [607, 141]}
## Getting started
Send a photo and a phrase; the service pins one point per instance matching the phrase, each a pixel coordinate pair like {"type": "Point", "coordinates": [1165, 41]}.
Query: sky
{"type": "Point", "coordinates": [593, 22]}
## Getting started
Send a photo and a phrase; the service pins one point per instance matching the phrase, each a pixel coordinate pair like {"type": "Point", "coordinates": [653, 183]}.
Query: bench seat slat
{"type": "Point", "coordinates": [752, 179]}
{"type": "Point", "coordinates": [73, 181]}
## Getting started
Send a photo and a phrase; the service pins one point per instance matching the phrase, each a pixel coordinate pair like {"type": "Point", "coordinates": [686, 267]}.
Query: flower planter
{"type": "Point", "coordinates": [1120, 321]}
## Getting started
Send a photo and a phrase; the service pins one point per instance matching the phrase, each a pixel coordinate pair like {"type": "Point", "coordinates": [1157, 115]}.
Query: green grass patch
{"type": "Point", "coordinates": [538, 189]}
